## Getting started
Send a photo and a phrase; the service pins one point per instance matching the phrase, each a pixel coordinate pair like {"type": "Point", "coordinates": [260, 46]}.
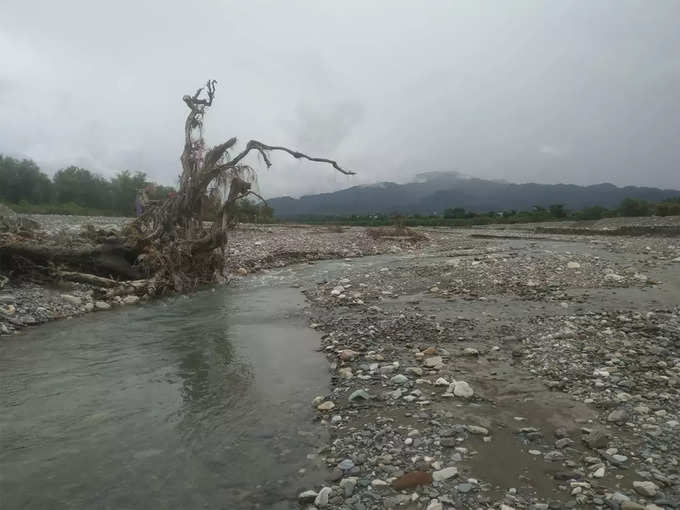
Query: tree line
{"type": "Point", "coordinates": [72, 190]}
{"type": "Point", "coordinates": [458, 216]}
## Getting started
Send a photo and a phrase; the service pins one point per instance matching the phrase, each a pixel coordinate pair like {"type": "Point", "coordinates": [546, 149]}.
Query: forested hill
{"type": "Point", "coordinates": [442, 191]}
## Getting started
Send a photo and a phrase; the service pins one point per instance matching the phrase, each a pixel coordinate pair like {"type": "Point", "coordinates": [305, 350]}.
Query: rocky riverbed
{"type": "Point", "coordinates": [252, 248]}
{"type": "Point", "coordinates": [471, 368]}
{"type": "Point", "coordinates": [503, 373]}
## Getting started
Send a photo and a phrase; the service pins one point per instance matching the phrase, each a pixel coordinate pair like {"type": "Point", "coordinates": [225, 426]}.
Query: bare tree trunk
{"type": "Point", "coordinates": [169, 244]}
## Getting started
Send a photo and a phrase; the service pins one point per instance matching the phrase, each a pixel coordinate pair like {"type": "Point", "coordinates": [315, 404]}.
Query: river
{"type": "Point", "coordinates": [199, 402]}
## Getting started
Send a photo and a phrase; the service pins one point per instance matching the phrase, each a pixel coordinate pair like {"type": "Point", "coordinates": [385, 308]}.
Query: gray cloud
{"type": "Point", "coordinates": [569, 91]}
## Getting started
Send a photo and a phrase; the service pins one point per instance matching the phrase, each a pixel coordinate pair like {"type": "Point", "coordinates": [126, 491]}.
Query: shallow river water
{"type": "Point", "coordinates": [200, 402]}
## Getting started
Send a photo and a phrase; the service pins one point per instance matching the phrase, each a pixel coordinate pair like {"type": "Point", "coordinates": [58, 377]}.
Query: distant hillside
{"type": "Point", "coordinates": [437, 191]}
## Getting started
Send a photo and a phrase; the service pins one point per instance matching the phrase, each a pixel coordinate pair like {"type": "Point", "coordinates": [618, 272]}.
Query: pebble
{"type": "Point", "coordinates": [347, 485]}
{"type": "Point", "coordinates": [444, 474]}
{"type": "Point", "coordinates": [307, 496]}
{"type": "Point", "coordinates": [326, 406]}
{"type": "Point", "coordinates": [346, 465]}
{"type": "Point", "coordinates": [646, 488]}
{"type": "Point", "coordinates": [399, 379]}
{"type": "Point", "coordinates": [74, 300]}
{"type": "Point", "coordinates": [347, 354]}
{"type": "Point", "coordinates": [321, 500]}
{"type": "Point", "coordinates": [435, 504]}
{"type": "Point", "coordinates": [435, 362]}
{"type": "Point", "coordinates": [345, 373]}
{"type": "Point", "coordinates": [476, 429]}
{"type": "Point", "coordinates": [359, 395]}
{"type": "Point", "coordinates": [101, 305]}
{"type": "Point", "coordinates": [617, 416]}
{"type": "Point", "coordinates": [462, 389]}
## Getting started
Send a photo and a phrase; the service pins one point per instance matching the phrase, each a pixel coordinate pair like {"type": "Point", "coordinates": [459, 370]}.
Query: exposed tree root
{"type": "Point", "coordinates": [168, 245]}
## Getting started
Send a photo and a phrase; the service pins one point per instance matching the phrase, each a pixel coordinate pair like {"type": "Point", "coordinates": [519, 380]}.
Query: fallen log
{"type": "Point", "coordinates": [105, 260]}
{"type": "Point", "coordinates": [97, 281]}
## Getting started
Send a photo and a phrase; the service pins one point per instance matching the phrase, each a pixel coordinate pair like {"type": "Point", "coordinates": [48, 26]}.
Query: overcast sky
{"type": "Point", "coordinates": [556, 91]}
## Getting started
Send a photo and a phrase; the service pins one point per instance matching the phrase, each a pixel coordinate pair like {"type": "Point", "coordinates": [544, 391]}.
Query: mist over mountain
{"type": "Point", "coordinates": [432, 192]}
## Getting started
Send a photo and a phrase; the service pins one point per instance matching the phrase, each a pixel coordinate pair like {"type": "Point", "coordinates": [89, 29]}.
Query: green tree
{"type": "Point", "coordinates": [23, 181]}
{"type": "Point", "coordinates": [558, 211]}
{"type": "Point", "coordinates": [124, 187]}
{"type": "Point", "coordinates": [634, 207]}
{"type": "Point", "coordinates": [592, 213]}
{"type": "Point", "coordinates": [456, 212]}
{"type": "Point", "coordinates": [82, 187]}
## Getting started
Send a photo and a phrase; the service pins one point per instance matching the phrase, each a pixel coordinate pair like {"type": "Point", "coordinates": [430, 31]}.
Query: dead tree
{"type": "Point", "coordinates": [177, 249]}
{"type": "Point", "coordinates": [169, 244]}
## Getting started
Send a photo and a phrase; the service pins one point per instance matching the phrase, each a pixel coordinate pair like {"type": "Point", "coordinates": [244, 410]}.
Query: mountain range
{"type": "Point", "coordinates": [432, 192]}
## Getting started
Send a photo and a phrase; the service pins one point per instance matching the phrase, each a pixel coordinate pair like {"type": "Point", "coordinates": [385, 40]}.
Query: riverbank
{"type": "Point", "coordinates": [476, 368]}
{"type": "Point", "coordinates": [523, 372]}
{"type": "Point", "coordinates": [252, 248]}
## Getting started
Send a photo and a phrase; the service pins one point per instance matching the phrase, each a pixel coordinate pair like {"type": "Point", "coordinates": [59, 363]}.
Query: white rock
{"type": "Point", "coordinates": [435, 505]}
{"type": "Point", "coordinates": [131, 299]}
{"type": "Point", "coordinates": [599, 473]}
{"type": "Point", "coordinates": [573, 265]}
{"type": "Point", "coordinates": [444, 474]}
{"type": "Point", "coordinates": [614, 277]}
{"type": "Point", "coordinates": [326, 406]}
{"type": "Point", "coordinates": [307, 496]}
{"type": "Point", "coordinates": [462, 389]}
{"type": "Point", "coordinates": [101, 305]}
{"type": "Point", "coordinates": [476, 429]}
{"type": "Point", "coordinates": [337, 290]}
{"type": "Point", "coordinates": [377, 483]}
{"type": "Point", "coordinates": [441, 382]}
{"type": "Point", "coordinates": [74, 300]}
{"type": "Point", "coordinates": [322, 498]}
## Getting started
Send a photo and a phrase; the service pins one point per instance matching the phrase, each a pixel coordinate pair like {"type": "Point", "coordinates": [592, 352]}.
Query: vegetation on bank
{"type": "Point", "coordinates": [78, 191]}
{"type": "Point", "coordinates": [459, 217]}
{"type": "Point", "coordinates": [72, 190]}
{"type": "Point", "coordinates": [24, 188]}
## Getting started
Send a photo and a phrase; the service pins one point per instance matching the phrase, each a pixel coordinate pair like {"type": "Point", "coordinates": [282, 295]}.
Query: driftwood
{"type": "Point", "coordinates": [97, 281]}
{"type": "Point", "coordinates": [169, 244]}
{"type": "Point", "coordinates": [108, 260]}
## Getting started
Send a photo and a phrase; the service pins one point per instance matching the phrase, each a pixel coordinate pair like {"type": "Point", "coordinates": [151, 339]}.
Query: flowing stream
{"type": "Point", "coordinates": [199, 402]}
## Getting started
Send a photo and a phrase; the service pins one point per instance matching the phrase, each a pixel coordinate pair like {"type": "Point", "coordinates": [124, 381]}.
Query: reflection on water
{"type": "Point", "coordinates": [184, 403]}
